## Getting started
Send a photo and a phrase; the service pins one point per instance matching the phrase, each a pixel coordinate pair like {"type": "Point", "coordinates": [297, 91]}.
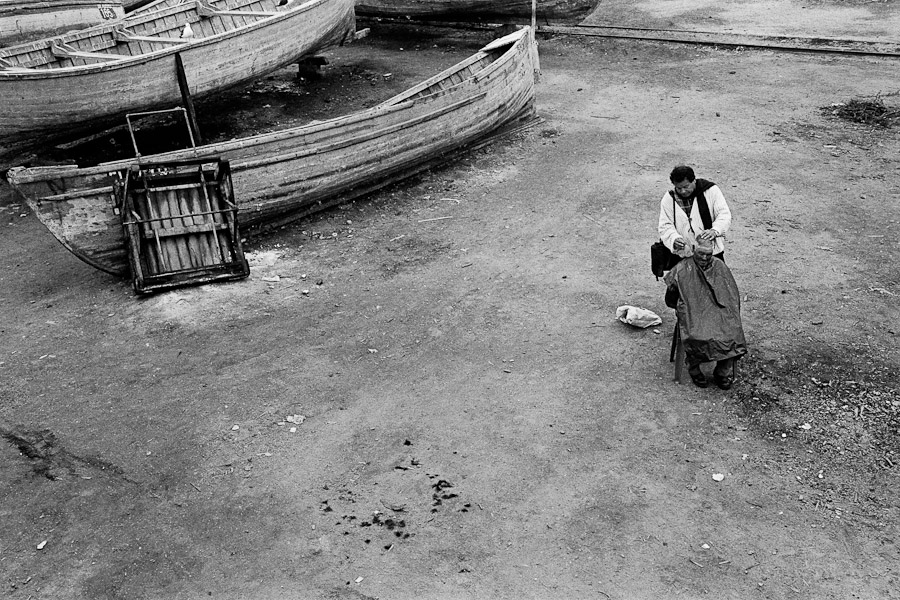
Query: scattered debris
{"type": "Point", "coordinates": [868, 111]}
{"type": "Point", "coordinates": [440, 495]}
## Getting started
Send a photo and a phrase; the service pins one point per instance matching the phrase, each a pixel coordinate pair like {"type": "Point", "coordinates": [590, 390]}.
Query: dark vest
{"type": "Point", "coordinates": [700, 199]}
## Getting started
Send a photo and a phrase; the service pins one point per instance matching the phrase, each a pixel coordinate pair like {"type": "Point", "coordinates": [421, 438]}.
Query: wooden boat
{"type": "Point", "coordinates": [288, 174]}
{"type": "Point", "coordinates": [504, 11]}
{"type": "Point", "coordinates": [26, 20]}
{"type": "Point", "coordinates": [82, 78]}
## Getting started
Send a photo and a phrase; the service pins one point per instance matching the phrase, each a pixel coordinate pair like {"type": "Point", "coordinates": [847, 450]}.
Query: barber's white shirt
{"type": "Point", "coordinates": [673, 225]}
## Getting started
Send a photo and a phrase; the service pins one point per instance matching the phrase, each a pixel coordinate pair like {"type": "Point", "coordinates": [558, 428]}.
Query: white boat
{"type": "Point", "coordinates": [79, 80]}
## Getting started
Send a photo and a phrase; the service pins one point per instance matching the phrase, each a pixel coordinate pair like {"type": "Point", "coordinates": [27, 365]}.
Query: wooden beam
{"type": "Point", "coordinates": [184, 230]}
{"type": "Point", "coordinates": [66, 51]}
{"type": "Point", "coordinates": [5, 65]}
{"type": "Point", "coordinates": [206, 10]}
{"type": "Point", "coordinates": [247, 13]}
{"type": "Point", "coordinates": [196, 140]}
{"type": "Point", "coordinates": [712, 38]}
{"type": "Point", "coordinates": [125, 36]}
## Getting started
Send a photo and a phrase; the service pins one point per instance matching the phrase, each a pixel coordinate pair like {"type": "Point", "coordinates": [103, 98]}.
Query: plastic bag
{"type": "Point", "coordinates": [637, 317]}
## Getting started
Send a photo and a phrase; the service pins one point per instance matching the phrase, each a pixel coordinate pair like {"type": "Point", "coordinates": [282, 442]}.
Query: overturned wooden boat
{"type": "Point", "coordinates": [79, 79]}
{"type": "Point", "coordinates": [503, 11]}
{"type": "Point", "coordinates": [294, 172]}
{"type": "Point", "coordinates": [25, 20]}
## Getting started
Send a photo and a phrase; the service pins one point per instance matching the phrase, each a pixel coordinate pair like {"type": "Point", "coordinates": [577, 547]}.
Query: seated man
{"type": "Point", "coordinates": [706, 299]}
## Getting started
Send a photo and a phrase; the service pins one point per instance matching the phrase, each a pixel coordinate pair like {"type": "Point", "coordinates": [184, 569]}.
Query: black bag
{"type": "Point", "coordinates": [662, 259]}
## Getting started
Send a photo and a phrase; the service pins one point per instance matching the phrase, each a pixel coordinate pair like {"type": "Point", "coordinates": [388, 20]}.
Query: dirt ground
{"type": "Point", "coordinates": [426, 394]}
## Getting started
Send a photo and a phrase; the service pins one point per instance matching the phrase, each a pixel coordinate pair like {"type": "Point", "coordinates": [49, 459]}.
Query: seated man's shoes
{"type": "Point", "coordinates": [700, 381]}
{"type": "Point", "coordinates": [725, 383]}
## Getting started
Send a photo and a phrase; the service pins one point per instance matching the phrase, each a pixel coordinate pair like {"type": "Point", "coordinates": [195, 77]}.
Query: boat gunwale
{"type": "Point", "coordinates": [25, 73]}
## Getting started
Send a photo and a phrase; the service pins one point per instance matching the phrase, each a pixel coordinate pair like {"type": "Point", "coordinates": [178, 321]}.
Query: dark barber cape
{"type": "Point", "coordinates": [709, 311]}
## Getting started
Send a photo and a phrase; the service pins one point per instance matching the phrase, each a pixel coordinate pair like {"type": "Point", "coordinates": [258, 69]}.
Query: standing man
{"type": "Point", "coordinates": [694, 210]}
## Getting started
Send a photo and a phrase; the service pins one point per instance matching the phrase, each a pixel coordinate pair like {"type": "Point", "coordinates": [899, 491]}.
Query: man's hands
{"type": "Point", "coordinates": [708, 234]}
{"type": "Point", "coordinates": [678, 244]}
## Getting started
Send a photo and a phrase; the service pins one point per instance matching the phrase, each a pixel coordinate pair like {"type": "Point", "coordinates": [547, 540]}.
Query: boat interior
{"type": "Point", "coordinates": [156, 27]}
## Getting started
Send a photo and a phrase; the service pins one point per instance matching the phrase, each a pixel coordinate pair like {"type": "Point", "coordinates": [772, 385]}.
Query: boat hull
{"type": "Point", "coordinates": [298, 171]}
{"type": "Point", "coordinates": [41, 104]}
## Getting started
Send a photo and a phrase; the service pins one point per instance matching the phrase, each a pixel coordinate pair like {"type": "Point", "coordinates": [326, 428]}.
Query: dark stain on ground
{"type": "Point", "coordinates": [47, 456]}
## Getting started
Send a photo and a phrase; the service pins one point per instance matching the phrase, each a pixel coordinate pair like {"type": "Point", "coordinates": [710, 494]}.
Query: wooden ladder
{"type": "Point", "coordinates": [180, 224]}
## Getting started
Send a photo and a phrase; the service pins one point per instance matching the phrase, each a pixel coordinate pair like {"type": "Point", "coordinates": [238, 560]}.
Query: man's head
{"type": "Point", "coordinates": [682, 177]}
{"type": "Point", "coordinates": [703, 253]}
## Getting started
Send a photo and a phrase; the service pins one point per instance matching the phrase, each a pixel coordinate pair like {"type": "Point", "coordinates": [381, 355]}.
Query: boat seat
{"type": "Point", "coordinates": [63, 50]}
{"type": "Point", "coordinates": [206, 10]}
{"type": "Point", "coordinates": [122, 35]}
{"type": "Point", "coordinates": [5, 65]}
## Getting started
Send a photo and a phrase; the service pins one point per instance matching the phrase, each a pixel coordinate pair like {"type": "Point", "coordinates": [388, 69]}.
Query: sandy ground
{"type": "Point", "coordinates": [469, 419]}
